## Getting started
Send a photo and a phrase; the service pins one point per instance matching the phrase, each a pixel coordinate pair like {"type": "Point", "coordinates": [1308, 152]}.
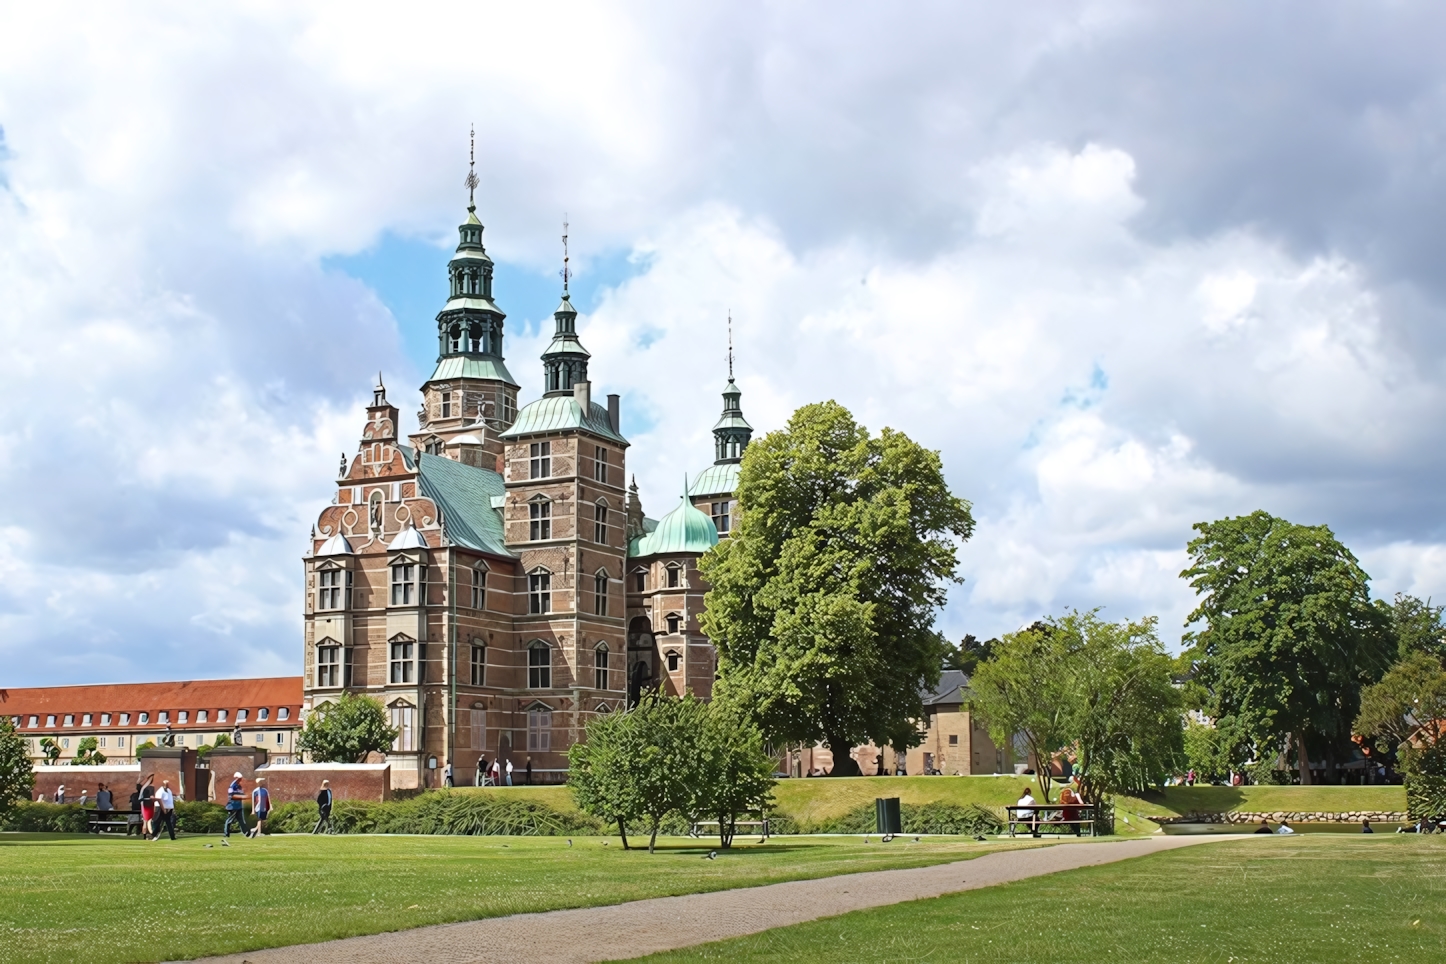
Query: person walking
{"type": "Point", "coordinates": [104, 801]}
{"type": "Point", "coordinates": [165, 810]}
{"type": "Point", "coordinates": [509, 772]}
{"type": "Point", "coordinates": [235, 808]}
{"type": "Point", "coordinates": [527, 777]}
{"type": "Point", "coordinates": [260, 806]}
{"type": "Point", "coordinates": [323, 807]}
{"type": "Point", "coordinates": [481, 771]}
{"type": "Point", "coordinates": [497, 772]}
{"type": "Point", "coordinates": [134, 819]}
{"type": "Point", "coordinates": [60, 794]}
{"type": "Point", "coordinates": [148, 807]}
{"type": "Point", "coordinates": [447, 775]}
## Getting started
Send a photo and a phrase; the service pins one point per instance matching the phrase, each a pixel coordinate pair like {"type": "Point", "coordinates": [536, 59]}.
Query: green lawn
{"type": "Point", "coordinates": [1178, 800]}
{"type": "Point", "coordinates": [1305, 898]}
{"type": "Point", "coordinates": [73, 898]}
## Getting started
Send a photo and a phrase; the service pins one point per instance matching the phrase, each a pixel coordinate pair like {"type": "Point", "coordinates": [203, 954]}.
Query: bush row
{"type": "Point", "coordinates": [974, 819]}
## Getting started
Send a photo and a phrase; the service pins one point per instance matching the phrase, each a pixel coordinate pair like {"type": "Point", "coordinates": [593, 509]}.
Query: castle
{"type": "Point", "coordinates": [491, 580]}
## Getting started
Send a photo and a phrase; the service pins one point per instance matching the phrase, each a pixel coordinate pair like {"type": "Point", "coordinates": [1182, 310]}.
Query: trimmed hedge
{"type": "Point", "coordinates": [438, 812]}
{"type": "Point", "coordinates": [974, 819]}
{"type": "Point", "coordinates": [35, 817]}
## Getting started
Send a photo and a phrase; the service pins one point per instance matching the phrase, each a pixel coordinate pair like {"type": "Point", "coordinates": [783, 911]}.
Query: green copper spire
{"type": "Point", "coordinates": [732, 433]}
{"type": "Point", "coordinates": [564, 364]}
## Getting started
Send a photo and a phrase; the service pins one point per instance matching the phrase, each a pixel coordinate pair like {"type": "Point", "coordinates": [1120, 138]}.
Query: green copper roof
{"type": "Point", "coordinates": [566, 344]}
{"type": "Point", "coordinates": [721, 479]}
{"type": "Point", "coordinates": [468, 366]}
{"type": "Point", "coordinates": [474, 302]}
{"type": "Point", "coordinates": [561, 413]}
{"type": "Point", "coordinates": [732, 420]}
{"type": "Point", "coordinates": [684, 530]}
{"type": "Point", "coordinates": [464, 496]}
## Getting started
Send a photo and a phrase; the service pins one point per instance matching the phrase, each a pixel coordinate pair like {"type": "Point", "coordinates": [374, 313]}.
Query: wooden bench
{"type": "Point", "coordinates": [695, 829]}
{"type": "Point", "coordinates": [102, 821]}
{"type": "Point", "coordinates": [1050, 816]}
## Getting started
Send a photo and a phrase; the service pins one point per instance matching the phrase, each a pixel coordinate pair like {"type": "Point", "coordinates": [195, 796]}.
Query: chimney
{"type": "Point", "coordinates": [582, 394]}
{"type": "Point", "coordinates": [615, 414]}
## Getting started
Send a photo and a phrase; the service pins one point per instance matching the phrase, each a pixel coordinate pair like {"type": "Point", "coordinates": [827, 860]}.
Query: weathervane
{"type": "Point", "coordinates": [730, 344]}
{"type": "Point", "coordinates": [471, 182]}
{"type": "Point", "coordinates": [566, 271]}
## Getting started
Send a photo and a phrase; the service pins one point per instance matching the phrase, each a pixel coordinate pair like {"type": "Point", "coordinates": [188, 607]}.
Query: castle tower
{"type": "Point", "coordinates": [712, 491]}
{"type": "Point", "coordinates": [471, 396]}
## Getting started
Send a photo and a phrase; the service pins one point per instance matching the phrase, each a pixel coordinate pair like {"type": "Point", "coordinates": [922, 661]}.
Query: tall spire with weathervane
{"type": "Point", "coordinates": [564, 364]}
{"type": "Point", "coordinates": [732, 433]}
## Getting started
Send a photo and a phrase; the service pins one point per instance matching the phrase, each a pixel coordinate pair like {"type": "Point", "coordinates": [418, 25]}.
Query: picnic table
{"type": "Point", "coordinates": [1051, 817]}
{"type": "Point", "coordinates": [696, 829]}
{"type": "Point", "coordinates": [109, 821]}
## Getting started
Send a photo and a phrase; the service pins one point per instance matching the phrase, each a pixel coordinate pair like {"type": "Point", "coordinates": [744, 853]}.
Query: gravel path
{"type": "Point", "coordinates": [641, 927]}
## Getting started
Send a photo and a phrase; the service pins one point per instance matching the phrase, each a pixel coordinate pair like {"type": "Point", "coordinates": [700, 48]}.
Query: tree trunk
{"type": "Point", "coordinates": [1304, 760]}
{"type": "Point", "coordinates": [844, 764]}
{"type": "Point", "coordinates": [653, 840]}
{"type": "Point", "coordinates": [727, 826]}
{"type": "Point", "coordinates": [623, 832]}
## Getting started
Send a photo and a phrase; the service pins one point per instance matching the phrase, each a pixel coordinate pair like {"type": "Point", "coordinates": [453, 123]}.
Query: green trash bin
{"type": "Point", "coordinates": [886, 815]}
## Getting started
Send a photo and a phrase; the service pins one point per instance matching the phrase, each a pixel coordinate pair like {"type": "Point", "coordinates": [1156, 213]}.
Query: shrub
{"type": "Point", "coordinates": [1425, 796]}
{"type": "Point", "coordinates": [975, 819]}
{"type": "Point", "coordinates": [199, 816]}
{"type": "Point", "coordinates": [438, 812]}
{"type": "Point", "coordinates": [46, 818]}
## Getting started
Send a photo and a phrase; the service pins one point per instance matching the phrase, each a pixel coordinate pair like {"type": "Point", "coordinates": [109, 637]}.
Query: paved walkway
{"type": "Point", "coordinates": [622, 931]}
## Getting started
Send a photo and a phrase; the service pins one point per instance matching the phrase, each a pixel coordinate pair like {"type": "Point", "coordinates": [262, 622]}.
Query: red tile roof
{"type": "Point", "coordinates": [135, 698]}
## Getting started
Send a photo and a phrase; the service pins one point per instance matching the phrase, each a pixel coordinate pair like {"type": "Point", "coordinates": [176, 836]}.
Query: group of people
{"type": "Point", "coordinates": [157, 806]}
{"type": "Point", "coordinates": [492, 775]}
{"type": "Point", "coordinates": [261, 807]}
{"type": "Point", "coordinates": [1066, 813]}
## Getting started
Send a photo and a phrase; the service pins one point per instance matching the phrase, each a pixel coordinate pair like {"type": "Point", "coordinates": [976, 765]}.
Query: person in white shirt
{"type": "Point", "coordinates": [1284, 828]}
{"type": "Point", "coordinates": [165, 810]}
{"type": "Point", "coordinates": [509, 772]}
{"type": "Point", "coordinates": [1026, 813]}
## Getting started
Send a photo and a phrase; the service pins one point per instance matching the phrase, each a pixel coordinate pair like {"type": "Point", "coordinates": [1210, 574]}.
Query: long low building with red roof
{"type": "Point", "coordinates": [262, 713]}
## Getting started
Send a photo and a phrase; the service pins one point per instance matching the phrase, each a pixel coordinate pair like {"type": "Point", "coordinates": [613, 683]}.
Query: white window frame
{"type": "Point", "coordinates": [328, 663]}
{"type": "Point", "coordinates": [600, 666]}
{"type": "Point", "coordinates": [403, 718]}
{"type": "Point", "coordinates": [539, 592]}
{"type": "Point", "coordinates": [600, 593]}
{"type": "Point", "coordinates": [539, 519]}
{"type": "Point", "coordinates": [600, 522]}
{"type": "Point", "coordinates": [539, 460]}
{"type": "Point", "coordinates": [478, 663]}
{"type": "Point", "coordinates": [539, 669]}
{"type": "Point", "coordinates": [401, 662]}
{"type": "Point", "coordinates": [539, 729]}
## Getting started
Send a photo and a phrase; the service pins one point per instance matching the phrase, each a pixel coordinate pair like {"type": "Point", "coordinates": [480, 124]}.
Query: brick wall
{"type": "Point", "coordinates": [227, 760]}
{"type": "Point", "coordinates": [349, 781]}
{"type": "Point", "coordinates": [121, 778]}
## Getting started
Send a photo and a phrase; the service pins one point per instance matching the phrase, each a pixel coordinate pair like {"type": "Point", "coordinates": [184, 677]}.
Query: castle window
{"type": "Point", "coordinates": [328, 660]}
{"type": "Point", "coordinates": [474, 334]}
{"type": "Point", "coordinates": [600, 593]}
{"type": "Point", "coordinates": [404, 721]}
{"type": "Point", "coordinates": [720, 517]}
{"type": "Point", "coordinates": [479, 665]}
{"type": "Point", "coordinates": [540, 460]}
{"type": "Point", "coordinates": [479, 587]}
{"type": "Point", "coordinates": [674, 621]}
{"type": "Point", "coordinates": [404, 589]}
{"type": "Point", "coordinates": [539, 730]}
{"type": "Point", "coordinates": [539, 592]}
{"type": "Point", "coordinates": [539, 516]}
{"type": "Point", "coordinates": [673, 660]}
{"type": "Point", "coordinates": [640, 580]}
{"type": "Point", "coordinates": [402, 665]}
{"type": "Point", "coordinates": [600, 666]}
{"type": "Point", "coordinates": [328, 595]}
{"type": "Point", "coordinates": [446, 404]}
{"type": "Point", "coordinates": [600, 523]}
{"type": "Point", "coordinates": [600, 464]}
{"type": "Point", "coordinates": [479, 728]}
{"type": "Point", "coordinates": [454, 338]}
{"type": "Point", "coordinates": [539, 666]}
{"type": "Point", "coordinates": [673, 577]}
{"type": "Point", "coordinates": [509, 408]}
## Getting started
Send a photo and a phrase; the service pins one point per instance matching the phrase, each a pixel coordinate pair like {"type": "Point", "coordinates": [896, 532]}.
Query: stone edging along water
{"type": "Point", "coordinates": [1293, 816]}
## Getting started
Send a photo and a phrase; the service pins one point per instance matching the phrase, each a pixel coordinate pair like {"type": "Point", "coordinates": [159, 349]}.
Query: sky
{"type": "Point", "coordinates": [1127, 266]}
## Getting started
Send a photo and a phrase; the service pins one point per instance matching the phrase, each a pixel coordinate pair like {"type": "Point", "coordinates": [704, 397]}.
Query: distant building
{"type": "Point", "coordinates": [258, 713]}
{"type": "Point", "coordinates": [955, 741]}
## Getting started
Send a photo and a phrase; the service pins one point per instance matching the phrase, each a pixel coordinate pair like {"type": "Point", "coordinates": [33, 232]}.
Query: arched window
{"type": "Point", "coordinates": [600, 666]}
{"type": "Point", "coordinates": [404, 720]}
{"type": "Point", "coordinates": [474, 333]}
{"type": "Point", "coordinates": [539, 519]}
{"type": "Point", "coordinates": [539, 591]}
{"type": "Point", "coordinates": [454, 338]}
{"type": "Point", "coordinates": [674, 576]}
{"type": "Point", "coordinates": [539, 665]}
{"type": "Point", "coordinates": [600, 593]}
{"type": "Point", "coordinates": [674, 622]}
{"type": "Point", "coordinates": [600, 522]}
{"type": "Point", "coordinates": [539, 729]}
{"type": "Point", "coordinates": [479, 586]}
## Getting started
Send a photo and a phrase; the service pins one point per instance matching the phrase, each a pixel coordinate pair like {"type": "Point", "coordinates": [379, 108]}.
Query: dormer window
{"type": "Point", "coordinates": [105, 719]}
{"type": "Point", "coordinates": [674, 622]}
{"type": "Point", "coordinates": [263, 714]}
{"type": "Point", "coordinates": [165, 716]}
{"type": "Point", "coordinates": [220, 716]}
{"type": "Point", "coordinates": [200, 716]}
{"type": "Point", "coordinates": [674, 577]}
{"type": "Point", "coordinates": [184, 717]}
{"type": "Point", "coordinates": [241, 716]}
{"type": "Point", "coordinates": [674, 660]}
{"type": "Point", "coordinates": [125, 719]}
{"type": "Point", "coordinates": [283, 714]}
{"type": "Point", "coordinates": [85, 720]}
{"type": "Point", "coordinates": [446, 404]}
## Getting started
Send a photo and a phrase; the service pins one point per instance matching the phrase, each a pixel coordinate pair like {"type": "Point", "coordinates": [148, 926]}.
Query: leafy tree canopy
{"type": "Point", "coordinates": [17, 777]}
{"type": "Point", "coordinates": [1023, 690]}
{"type": "Point", "coordinates": [346, 730]}
{"type": "Point", "coordinates": [822, 601]}
{"type": "Point", "coordinates": [735, 773]}
{"type": "Point", "coordinates": [1289, 634]}
{"type": "Point", "coordinates": [87, 753]}
{"type": "Point", "coordinates": [968, 654]}
{"type": "Point", "coordinates": [1417, 627]}
{"type": "Point", "coordinates": [602, 770]}
{"type": "Point", "coordinates": [1405, 713]}
{"type": "Point", "coordinates": [50, 749]}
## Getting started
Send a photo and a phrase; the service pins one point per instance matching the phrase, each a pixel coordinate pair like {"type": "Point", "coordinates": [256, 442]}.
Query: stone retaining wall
{"type": "Point", "coordinates": [1293, 816]}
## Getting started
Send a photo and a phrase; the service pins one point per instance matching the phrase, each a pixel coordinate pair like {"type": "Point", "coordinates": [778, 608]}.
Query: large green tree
{"type": "Point", "coordinates": [1023, 690]}
{"type": "Point", "coordinates": [346, 730]}
{"type": "Point", "coordinates": [603, 770]}
{"type": "Point", "coordinates": [823, 599]}
{"type": "Point", "coordinates": [1405, 714]}
{"type": "Point", "coordinates": [1416, 626]}
{"type": "Point", "coordinates": [1287, 633]}
{"type": "Point", "coordinates": [17, 776]}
